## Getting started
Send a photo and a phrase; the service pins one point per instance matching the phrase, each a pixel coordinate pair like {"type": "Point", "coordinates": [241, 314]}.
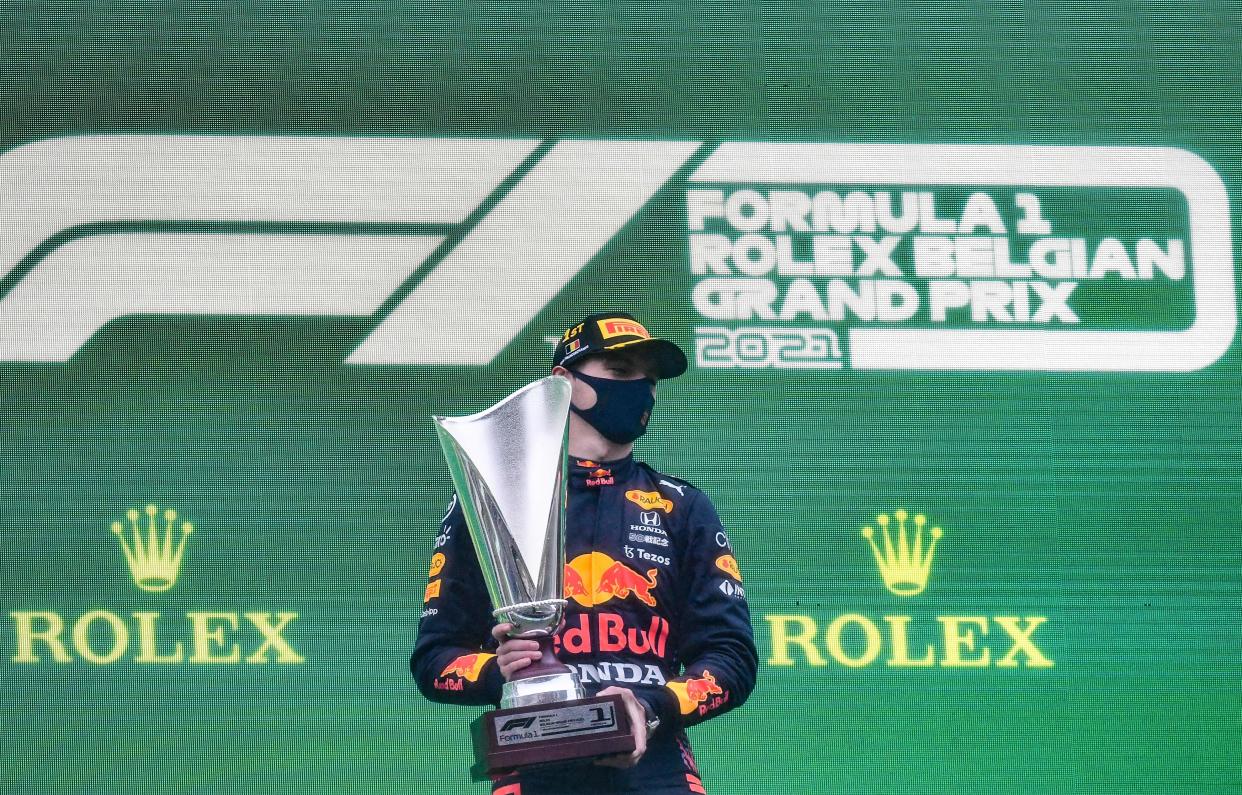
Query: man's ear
{"type": "Point", "coordinates": [559, 370]}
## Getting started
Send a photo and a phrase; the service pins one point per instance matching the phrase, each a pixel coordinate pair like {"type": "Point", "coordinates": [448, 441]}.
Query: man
{"type": "Point", "coordinates": [655, 613]}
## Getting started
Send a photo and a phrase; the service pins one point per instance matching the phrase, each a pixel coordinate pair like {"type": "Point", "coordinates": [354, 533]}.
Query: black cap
{"type": "Point", "coordinates": [610, 331]}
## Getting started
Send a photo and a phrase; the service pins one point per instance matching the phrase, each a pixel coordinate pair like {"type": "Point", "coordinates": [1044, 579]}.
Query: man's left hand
{"type": "Point", "coordinates": [638, 727]}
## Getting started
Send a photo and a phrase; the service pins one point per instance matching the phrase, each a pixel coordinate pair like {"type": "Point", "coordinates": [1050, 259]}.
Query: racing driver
{"type": "Point", "coordinates": [656, 612]}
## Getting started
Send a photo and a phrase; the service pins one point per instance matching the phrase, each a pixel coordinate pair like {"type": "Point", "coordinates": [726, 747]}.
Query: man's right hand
{"type": "Point", "coordinates": [514, 654]}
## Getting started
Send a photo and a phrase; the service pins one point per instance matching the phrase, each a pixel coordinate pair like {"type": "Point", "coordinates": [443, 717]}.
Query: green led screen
{"type": "Point", "coordinates": [956, 270]}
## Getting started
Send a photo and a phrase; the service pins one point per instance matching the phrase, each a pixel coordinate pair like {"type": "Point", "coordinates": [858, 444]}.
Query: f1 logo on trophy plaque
{"type": "Point", "coordinates": [508, 466]}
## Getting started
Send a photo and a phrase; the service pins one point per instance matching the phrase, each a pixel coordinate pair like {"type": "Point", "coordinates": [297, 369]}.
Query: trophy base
{"type": "Point", "coordinates": [572, 731]}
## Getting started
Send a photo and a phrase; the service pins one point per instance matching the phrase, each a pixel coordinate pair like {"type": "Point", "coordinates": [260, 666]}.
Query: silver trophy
{"type": "Point", "coordinates": [508, 466]}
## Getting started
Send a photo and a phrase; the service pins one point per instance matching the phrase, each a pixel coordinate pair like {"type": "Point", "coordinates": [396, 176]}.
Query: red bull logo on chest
{"type": "Point", "coordinates": [609, 632]}
{"type": "Point", "coordinates": [595, 578]}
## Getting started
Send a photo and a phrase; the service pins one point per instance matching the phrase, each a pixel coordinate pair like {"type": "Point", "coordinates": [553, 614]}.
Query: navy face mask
{"type": "Point", "coordinates": [621, 408]}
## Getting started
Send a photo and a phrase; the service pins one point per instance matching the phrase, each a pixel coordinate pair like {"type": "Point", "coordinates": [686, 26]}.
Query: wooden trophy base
{"type": "Point", "coordinates": [546, 734]}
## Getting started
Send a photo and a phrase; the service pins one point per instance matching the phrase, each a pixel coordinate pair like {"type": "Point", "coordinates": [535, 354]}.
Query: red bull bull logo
{"type": "Point", "coordinates": [620, 581]}
{"type": "Point", "coordinates": [467, 667]}
{"type": "Point", "coordinates": [695, 691]}
{"type": "Point", "coordinates": [594, 578]}
{"type": "Point", "coordinates": [576, 587]}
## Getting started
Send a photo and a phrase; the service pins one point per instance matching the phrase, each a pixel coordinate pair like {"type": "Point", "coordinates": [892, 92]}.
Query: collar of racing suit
{"type": "Point", "coordinates": [590, 474]}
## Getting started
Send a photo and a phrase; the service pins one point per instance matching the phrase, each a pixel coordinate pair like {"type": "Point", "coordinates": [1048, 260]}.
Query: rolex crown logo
{"type": "Point", "coordinates": [904, 564]}
{"type": "Point", "coordinates": [153, 551]}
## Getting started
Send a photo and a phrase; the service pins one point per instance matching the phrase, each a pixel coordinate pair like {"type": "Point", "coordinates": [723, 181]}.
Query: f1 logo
{"type": "Point", "coordinates": [466, 196]}
{"type": "Point", "coordinates": [518, 723]}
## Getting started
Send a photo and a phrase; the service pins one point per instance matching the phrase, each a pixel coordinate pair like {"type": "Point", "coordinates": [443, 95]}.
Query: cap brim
{"type": "Point", "coordinates": [669, 359]}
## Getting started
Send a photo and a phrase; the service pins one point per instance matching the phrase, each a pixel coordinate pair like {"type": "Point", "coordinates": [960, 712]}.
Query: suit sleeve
{"type": "Point", "coordinates": [717, 646]}
{"type": "Point", "coordinates": [454, 659]}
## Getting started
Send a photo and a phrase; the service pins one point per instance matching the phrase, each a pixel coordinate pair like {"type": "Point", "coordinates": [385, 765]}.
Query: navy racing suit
{"type": "Point", "coordinates": [655, 604]}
